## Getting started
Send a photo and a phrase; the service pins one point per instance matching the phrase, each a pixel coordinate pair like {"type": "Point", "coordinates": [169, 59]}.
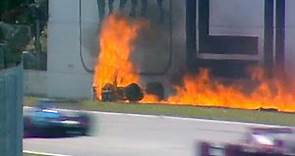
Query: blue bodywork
{"type": "Point", "coordinates": [46, 119]}
{"type": "Point", "coordinates": [45, 113]}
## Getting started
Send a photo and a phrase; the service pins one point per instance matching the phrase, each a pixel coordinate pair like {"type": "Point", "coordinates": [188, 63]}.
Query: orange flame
{"type": "Point", "coordinates": [202, 90]}
{"type": "Point", "coordinates": [116, 44]}
{"type": "Point", "coordinates": [117, 38]}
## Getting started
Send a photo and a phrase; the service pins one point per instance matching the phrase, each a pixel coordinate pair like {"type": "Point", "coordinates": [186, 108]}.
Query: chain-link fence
{"type": "Point", "coordinates": [11, 125]}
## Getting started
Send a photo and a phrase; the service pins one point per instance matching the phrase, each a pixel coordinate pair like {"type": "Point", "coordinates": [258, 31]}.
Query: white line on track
{"type": "Point", "coordinates": [43, 153]}
{"type": "Point", "coordinates": [185, 119]}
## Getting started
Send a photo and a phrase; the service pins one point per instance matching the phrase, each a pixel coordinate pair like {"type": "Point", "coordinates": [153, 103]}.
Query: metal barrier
{"type": "Point", "coordinates": [11, 124]}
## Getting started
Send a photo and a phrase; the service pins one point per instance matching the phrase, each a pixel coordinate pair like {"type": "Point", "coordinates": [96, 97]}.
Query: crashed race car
{"type": "Point", "coordinates": [111, 92]}
{"type": "Point", "coordinates": [45, 120]}
{"type": "Point", "coordinates": [257, 142]}
{"type": "Point", "coordinates": [132, 92]}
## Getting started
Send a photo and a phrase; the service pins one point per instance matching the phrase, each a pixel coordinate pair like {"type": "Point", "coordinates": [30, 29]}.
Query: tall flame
{"type": "Point", "coordinates": [116, 44]}
{"type": "Point", "coordinates": [114, 65]}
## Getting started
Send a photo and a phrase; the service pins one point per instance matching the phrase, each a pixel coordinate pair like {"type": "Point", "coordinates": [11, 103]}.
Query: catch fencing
{"type": "Point", "coordinates": [11, 97]}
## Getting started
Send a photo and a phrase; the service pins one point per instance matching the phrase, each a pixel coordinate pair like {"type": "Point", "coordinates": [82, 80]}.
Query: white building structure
{"type": "Point", "coordinates": [73, 30]}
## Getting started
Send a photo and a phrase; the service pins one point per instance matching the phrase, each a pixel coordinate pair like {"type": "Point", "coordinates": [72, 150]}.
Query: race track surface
{"type": "Point", "coordinates": [115, 134]}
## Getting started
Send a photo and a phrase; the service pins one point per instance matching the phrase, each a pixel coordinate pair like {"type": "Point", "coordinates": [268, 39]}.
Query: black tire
{"type": "Point", "coordinates": [85, 121]}
{"type": "Point", "coordinates": [233, 150]}
{"type": "Point", "coordinates": [133, 92]}
{"type": "Point", "coordinates": [28, 127]}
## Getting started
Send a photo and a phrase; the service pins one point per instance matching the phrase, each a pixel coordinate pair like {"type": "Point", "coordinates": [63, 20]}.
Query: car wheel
{"type": "Point", "coordinates": [233, 150]}
{"type": "Point", "coordinates": [27, 127]}
{"type": "Point", "coordinates": [85, 124]}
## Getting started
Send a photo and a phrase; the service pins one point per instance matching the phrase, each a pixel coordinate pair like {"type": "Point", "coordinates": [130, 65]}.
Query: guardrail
{"type": "Point", "coordinates": [11, 124]}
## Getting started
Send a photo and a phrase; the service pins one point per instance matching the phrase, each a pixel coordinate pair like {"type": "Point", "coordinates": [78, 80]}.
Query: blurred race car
{"type": "Point", "coordinates": [257, 142]}
{"type": "Point", "coordinates": [45, 120]}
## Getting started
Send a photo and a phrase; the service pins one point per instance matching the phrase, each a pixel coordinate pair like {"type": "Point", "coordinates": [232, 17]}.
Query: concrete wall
{"type": "Point", "coordinates": [11, 124]}
{"type": "Point", "coordinates": [36, 83]}
{"type": "Point", "coordinates": [66, 76]}
{"type": "Point", "coordinates": [290, 35]}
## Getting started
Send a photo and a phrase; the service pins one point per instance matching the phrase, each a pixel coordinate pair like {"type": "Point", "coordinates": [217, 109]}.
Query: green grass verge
{"type": "Point", "coordinates": [252, 116]}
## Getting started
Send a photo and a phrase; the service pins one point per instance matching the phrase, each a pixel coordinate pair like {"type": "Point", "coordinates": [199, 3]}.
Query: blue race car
{"type": "Point", "coordinates": [45, 120]}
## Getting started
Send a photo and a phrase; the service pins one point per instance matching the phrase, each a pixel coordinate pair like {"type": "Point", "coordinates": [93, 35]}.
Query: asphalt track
{"type": "Point", "coordinates": [116, 134]}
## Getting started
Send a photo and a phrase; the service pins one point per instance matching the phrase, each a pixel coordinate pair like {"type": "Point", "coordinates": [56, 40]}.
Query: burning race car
{"type": "Point", "coordinates": [257, 142]}
{"type": "Point", "coordinates": [111, 92]}
{"type": "Point", "coordinates": [45, 120]}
